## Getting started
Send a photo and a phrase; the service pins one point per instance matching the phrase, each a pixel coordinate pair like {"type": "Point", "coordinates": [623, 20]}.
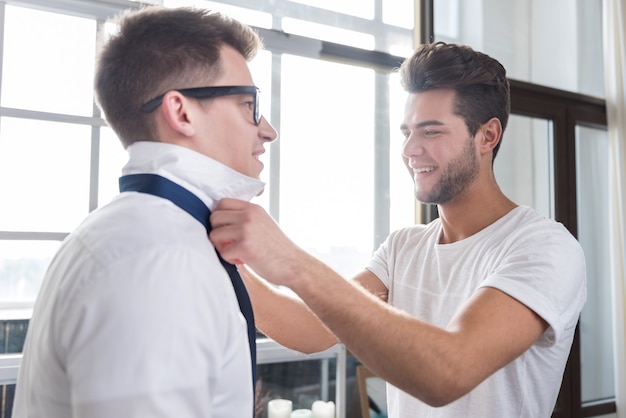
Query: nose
{"type": "Point", "coordinates": [267, 131]}
{"type": "Point", "coordinates": [412, 146]}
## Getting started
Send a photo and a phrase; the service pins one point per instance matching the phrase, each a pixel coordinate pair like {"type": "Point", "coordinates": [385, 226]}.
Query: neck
{"type": "Point", "coordinates": [472, 212]}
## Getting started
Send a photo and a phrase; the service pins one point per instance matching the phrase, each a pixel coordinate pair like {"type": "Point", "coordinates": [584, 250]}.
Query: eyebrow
{"type": "Point", "coordinates": [422, 124]}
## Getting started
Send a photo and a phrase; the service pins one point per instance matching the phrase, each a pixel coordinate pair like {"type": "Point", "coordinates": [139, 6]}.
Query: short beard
{"type": "Point", "coordinates": [458, 176]}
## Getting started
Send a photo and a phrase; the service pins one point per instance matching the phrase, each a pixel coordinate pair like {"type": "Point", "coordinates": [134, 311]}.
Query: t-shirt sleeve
{"type": "Point", "coordinates": [383, 262]}
{"type": "Point", "coordinates": [378, 264]}
{"type": "Point", "coordinates": [544, 269]}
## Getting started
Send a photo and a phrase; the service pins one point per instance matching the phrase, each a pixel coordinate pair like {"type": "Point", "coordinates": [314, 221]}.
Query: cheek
{"type": "Point", "coordinates": [240, 153]}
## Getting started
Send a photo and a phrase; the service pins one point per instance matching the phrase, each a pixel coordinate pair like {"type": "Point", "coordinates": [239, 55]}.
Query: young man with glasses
{"type": "Point", "coordinates": [138, 316]}
{"type": "Point", "coordinates": [472, 315]}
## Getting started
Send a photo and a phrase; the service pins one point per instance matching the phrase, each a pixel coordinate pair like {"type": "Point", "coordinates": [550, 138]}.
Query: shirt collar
{"type": "Point", "coordinates": [205, 177]}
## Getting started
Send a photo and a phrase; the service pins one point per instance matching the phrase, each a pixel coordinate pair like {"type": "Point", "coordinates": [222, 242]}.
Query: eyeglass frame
{"type": "Point", "coordinates": [210, 92]}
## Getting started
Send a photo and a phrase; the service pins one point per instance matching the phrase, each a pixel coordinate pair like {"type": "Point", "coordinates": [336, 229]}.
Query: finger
{"type": "Point", "coordinates": [224, 252]}
{"type": "Point", "coordinates": [225, 242]}
{"type": "Point", "coordinates": [221, 239]}
{"type": "Point", "coordinates": [231, 204]}
{"type": "Point", "coordinates": [223, 217]}
{"type": "Point", "coordinates": [230, 211]}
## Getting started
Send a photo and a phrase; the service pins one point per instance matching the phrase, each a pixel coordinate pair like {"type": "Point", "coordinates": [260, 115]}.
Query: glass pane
{"type": "Point", "coordinates": [44, 175]}
{"type": "Point", "coordinates": [523, 166]}
{"type": "Point", "coordinates": [22, 267]}
{"type": "Point", "coordinates": [515, 33]}
{"type": "Point", "coordinates": [7, 393]}
{"type": "Point", "coordinates": [247, 16]}
{"type": "Point", "coordinates": [113, 157]}
{"type": "Point", "coordinates": [596, 323]}
{"type": "Point", "coordinates": [12, 334]}
{"type": "Point", "coordinates": [446, 18]}
{"type": "Point", "coordinates": [361, 8]}
{"type": "Point", "coordinates": [298, 381]}
{"type": "Point", "coordinates": [48, 62]}
{"type": "Point", "coordinates": [328, 33]}
{"type": "Point", "coordinates": [402, 194]}
{"type": "Point", "coordinates": [399, 13]}
{"type": "Point", "coordinates": [327, 173]}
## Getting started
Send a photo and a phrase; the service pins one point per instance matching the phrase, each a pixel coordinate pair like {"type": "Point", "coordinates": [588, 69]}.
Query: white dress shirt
{"type": "Point", "coordinates": [136, 316]}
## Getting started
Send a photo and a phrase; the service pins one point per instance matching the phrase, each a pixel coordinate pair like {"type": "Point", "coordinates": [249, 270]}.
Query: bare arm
{"type": "Point", "coordinates": [284, 318]}
{"type": "Point", "coordinates": [287, 320]}
{"type": "Point", "coordinates": [433, 364]}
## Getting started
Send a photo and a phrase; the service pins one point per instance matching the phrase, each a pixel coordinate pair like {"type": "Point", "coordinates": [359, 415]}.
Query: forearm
{"type": "Point", "coordinates": [421, 359]}
{"type": "Point", "coordinates": [286, 319]}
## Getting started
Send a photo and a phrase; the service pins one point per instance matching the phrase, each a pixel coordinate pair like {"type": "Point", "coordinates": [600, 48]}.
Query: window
{"type": "Point", "coordinates": [47, 150]}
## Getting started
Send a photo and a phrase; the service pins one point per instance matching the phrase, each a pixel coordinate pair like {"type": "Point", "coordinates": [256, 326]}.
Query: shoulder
{"type": "Point", "coordinates": [527, 238]}
{"type": "Point", "coordinates": [135, 222]}
{"type": "Point", "coordinates": [131, 246]}
{"type": "Point", "coordinates": [414, 233]}
{"type": "Point", "coordinates": [527, 225]}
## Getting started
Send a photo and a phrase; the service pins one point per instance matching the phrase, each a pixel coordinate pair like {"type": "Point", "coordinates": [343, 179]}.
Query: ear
{"type": "Point", "coordinates": [175, 110]}
{"type": "Point", "coordinates": [492, 132]}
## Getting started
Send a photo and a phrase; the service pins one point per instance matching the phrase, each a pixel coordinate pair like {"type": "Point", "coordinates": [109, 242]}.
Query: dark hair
{"type": "Point", "coordinates": [157, 49]}
{"type": "Point", "coordinates": [481, 88]}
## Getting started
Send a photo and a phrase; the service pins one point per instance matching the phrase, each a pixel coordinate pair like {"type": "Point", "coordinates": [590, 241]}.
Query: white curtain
{"type": "Point", "coordinates": [615, 87]}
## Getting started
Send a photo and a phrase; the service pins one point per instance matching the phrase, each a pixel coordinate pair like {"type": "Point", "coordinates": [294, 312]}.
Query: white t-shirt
{"type": "Point", "coordinates": [136, 316]}
{"type": "Point", "coordinates": [531, 258]}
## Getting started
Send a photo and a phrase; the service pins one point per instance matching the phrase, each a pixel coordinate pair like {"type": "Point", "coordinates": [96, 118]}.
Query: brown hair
{"type": "Point", "coordinates": [481, 88]}
{"type": "Point", "coordinates": [157, 49]}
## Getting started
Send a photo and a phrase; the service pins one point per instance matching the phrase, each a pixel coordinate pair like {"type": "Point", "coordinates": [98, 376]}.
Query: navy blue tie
{"type": "Point", "coordinates": [160, 186]}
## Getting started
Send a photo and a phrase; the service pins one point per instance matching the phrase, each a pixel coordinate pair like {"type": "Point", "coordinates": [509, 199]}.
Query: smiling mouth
{"type": "Point", "coordinates": [424, 170]}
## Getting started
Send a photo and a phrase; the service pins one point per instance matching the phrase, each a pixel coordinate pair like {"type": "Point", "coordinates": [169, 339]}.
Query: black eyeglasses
{"type": "Point", "coordinates": [213, 91]}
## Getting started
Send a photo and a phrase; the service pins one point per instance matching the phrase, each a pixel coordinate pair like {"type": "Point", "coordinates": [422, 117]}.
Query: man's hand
{"type": "Point", "coordinates": [244, 233]}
